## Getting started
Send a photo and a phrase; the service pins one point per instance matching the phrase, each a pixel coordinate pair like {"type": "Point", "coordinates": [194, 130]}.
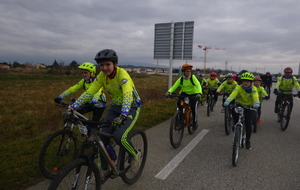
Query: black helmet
{"type": "Point", "coordinates": [106, 55]}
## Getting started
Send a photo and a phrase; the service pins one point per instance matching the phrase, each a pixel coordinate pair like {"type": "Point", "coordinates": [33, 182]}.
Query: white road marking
{"type": "Point", "coordinates": [168, 169]}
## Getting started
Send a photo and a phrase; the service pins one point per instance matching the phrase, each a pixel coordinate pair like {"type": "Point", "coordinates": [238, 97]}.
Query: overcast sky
{"type": "Point", "coordinates": [257, 35]}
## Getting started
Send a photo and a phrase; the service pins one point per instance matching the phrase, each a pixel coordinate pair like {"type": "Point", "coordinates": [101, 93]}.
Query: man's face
{"type": "Point", "coordinates": [287, 74]}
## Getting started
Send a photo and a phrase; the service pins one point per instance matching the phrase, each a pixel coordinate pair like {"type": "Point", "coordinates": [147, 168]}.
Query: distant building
{"type": "Point", "coordinates": [41, 66]}
{"type": "Point", "coordinates": [3, 66]}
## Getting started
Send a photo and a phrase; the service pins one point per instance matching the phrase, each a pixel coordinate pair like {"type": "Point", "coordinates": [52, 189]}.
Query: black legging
{"type": "Point", "coordinates": [193, 103]}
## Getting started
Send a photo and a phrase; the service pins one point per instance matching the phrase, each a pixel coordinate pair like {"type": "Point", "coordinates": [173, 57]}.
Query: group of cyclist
{"type": "Point", "coordinates": [125, 105]}
{"type": "Point", "coordinates": [243, 89]}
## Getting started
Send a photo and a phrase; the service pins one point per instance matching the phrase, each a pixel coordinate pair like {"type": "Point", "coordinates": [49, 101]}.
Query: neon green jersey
{"type": "Point", "coordinates": [244, 98]}
{"type": "Point", "coordinates": [286, 85]}
{"type": "Point", "coordinates": [99, 98]}
{"type": "Point", "coordinates": [214, 84]}
{"type": "Point", "coordinates": [226, 87]}
{"type": "Point", "coordinates": [121, 89]}
{"type": "Point", "coordinates": [261, 93]}
{"type": "Point", "coordinates": [187, 86]}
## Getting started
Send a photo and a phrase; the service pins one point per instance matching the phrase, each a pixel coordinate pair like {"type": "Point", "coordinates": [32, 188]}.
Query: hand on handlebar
{"type": "Point", "coordinates": [256, 106]}
{"type": "Point", "coordinates": [119, 120]}
{"type": "Point", "coordinates": [67, 113]}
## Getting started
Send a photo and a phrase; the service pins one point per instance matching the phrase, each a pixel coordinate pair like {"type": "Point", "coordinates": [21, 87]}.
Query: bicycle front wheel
{"type": "Point", "coordinates": [79, 174]}
{"type": "Point", "coordinates": [285, 116]}
{"type": "Point", "coordinates": [176, 129]}
{"type": "Point", "coordinates": [228, 121]}
{"type": "Point", "coordinates": [236, 144]}
{"type": "Point", "coordinates": [139, 141]}
{"type": "Point", "coordinates": [208, 105]}
{"type": "Point", "coordinates": [57, 151]}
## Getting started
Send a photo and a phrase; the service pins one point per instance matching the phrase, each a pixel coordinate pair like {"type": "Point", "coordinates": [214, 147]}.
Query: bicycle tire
{"type": "Point", "coordinates": [78, 169]}
{"type": "Point", "coordinates": [228, 121]}
{"type": "Point", "coordinates": [138, 139]}
{"type": "Point", "coordinates": [285, 117]}
{"type": "Point", "coordinates": [52, 157]}
{"type": "Point", "coordinates": [176, 129]}
{"type": "Point", "coordinates": [212, 104]}
{"type": "Point", "coordinates": [236, 144]}
{"type": "Point", "coordinates": [191, 127]}
{"type": "Point", "coordinates": [208, 105]}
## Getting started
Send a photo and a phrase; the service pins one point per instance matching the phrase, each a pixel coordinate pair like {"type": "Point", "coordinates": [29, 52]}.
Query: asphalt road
{"type": "Point", "coordinates": [203, 161]}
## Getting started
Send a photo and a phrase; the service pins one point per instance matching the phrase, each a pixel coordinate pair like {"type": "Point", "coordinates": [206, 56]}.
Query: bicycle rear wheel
{"type": "Point", "coordinates": [228, 121]}
{"type": "Point", "coordinates": [285, 116]}
{"type": "Point", "coordinates": [57, 151]}
{"type": "Point", "coordinates": [139, 141]}
{"type": "Point", "coordinates": [236, 144]}
{"type": "Point", "coordinates": [79, 174]}
{"type": "Point", "coordinates": [176, 129]}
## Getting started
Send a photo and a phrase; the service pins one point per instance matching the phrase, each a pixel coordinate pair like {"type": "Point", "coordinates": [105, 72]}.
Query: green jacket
{"type": "Point", "coordinates": [214, 84]}
{"type": "Point", "coordinates": [261, 93]}
{"type": "Point", "coordinates": [244, 98]}
{"type": "Point", "coordinates": [120, 88]}
{"type": "Point", "coordinates": [286, 85]}
{"type": "Point", "coordinates": [99, 98]}
{"type": "Point", "coordinates": [227, 88]}
{"type": "Point", "coordinates": [187, 86]}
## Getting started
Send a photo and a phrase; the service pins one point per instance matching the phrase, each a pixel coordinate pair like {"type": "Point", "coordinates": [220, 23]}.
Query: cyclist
{"type": "Point", "coordinates": [261, 94]}
{"type": "Point", "coordinates": [245, 95]}
{"type": "Point", "coordinates": [125, 105]}
{"type": "Point", "coordinates": [227, 87]}
{"type": "Point", "coordinates": [189, 86]}
{"type": "Point", "coordinates": [212, 84]}
{"type": "Point", "coordinates": [285, 85]}
{"type": "Point", "coordinates": [201, 79]}
{"type": "Point", "coordinates": [98, 103]}
{"type": "Point", "coordinates": [237, 77]}
{"type": "Point", "coordinates": [267, 82]}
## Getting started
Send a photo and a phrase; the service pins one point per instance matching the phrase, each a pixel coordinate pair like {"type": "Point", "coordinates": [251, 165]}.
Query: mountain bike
{"type": "Point", "coordinates": [239, 137]}
{"type": "Point", "coordinates": [61, 147]}
{"type": "Point", "coordinates": [182, 118]}
{"type": "Point", "coordinates": [84, 173]}
{"type": "Point", "coordinates": [228, 115]}
{"type": "Point", "coordinates": [210, 101]}
{"type": "Point", "coordinates": [284, 111]}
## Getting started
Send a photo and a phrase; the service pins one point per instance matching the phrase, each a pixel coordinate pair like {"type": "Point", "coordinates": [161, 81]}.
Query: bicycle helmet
{"type": "Point", "coordinates": [186, 66]}
{"type": "Point", "coordinates": [247, 76]}
{"type": "Point", "coordinates": [242, 71]}
{"type": "Point", "coordinates": [288, 70]}
{"type": "Point", "coordinates": [257, 79]}
{"type": "Point", "coordinates": [267, 73]}
{"type": "Point", "coordinates": [229, 75]}
{"type": "Point", "coordinates": [106, 55]}
{"type": "Point", "coordinates": [213, 74]}
{"type": "Point", "coordinates": [88, 66]}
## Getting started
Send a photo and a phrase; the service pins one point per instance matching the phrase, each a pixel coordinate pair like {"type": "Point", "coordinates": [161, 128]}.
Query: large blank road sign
{"type": "Point", "coordinates": [174, 40]}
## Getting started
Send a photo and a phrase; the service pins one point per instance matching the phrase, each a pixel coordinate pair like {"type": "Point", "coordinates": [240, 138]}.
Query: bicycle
{"type": "Point", "coordinates": [61, 147]}
{"type": "Point", "coordinates": [84, 173]}
{"type": "Point", "coordinates": [210, 101]}
{"type": "Point", "coordinates": [284, 111]}
{"type": "Point", "coordinates": [182, 118]}
{"type": "Point", "coordinates": [228, 115]}
{"type": "Point", "coordinates": [239, 137]}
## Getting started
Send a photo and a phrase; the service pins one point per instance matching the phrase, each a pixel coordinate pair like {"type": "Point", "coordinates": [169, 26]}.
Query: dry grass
{"type": "Point", "coordinates": [28, 115]}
